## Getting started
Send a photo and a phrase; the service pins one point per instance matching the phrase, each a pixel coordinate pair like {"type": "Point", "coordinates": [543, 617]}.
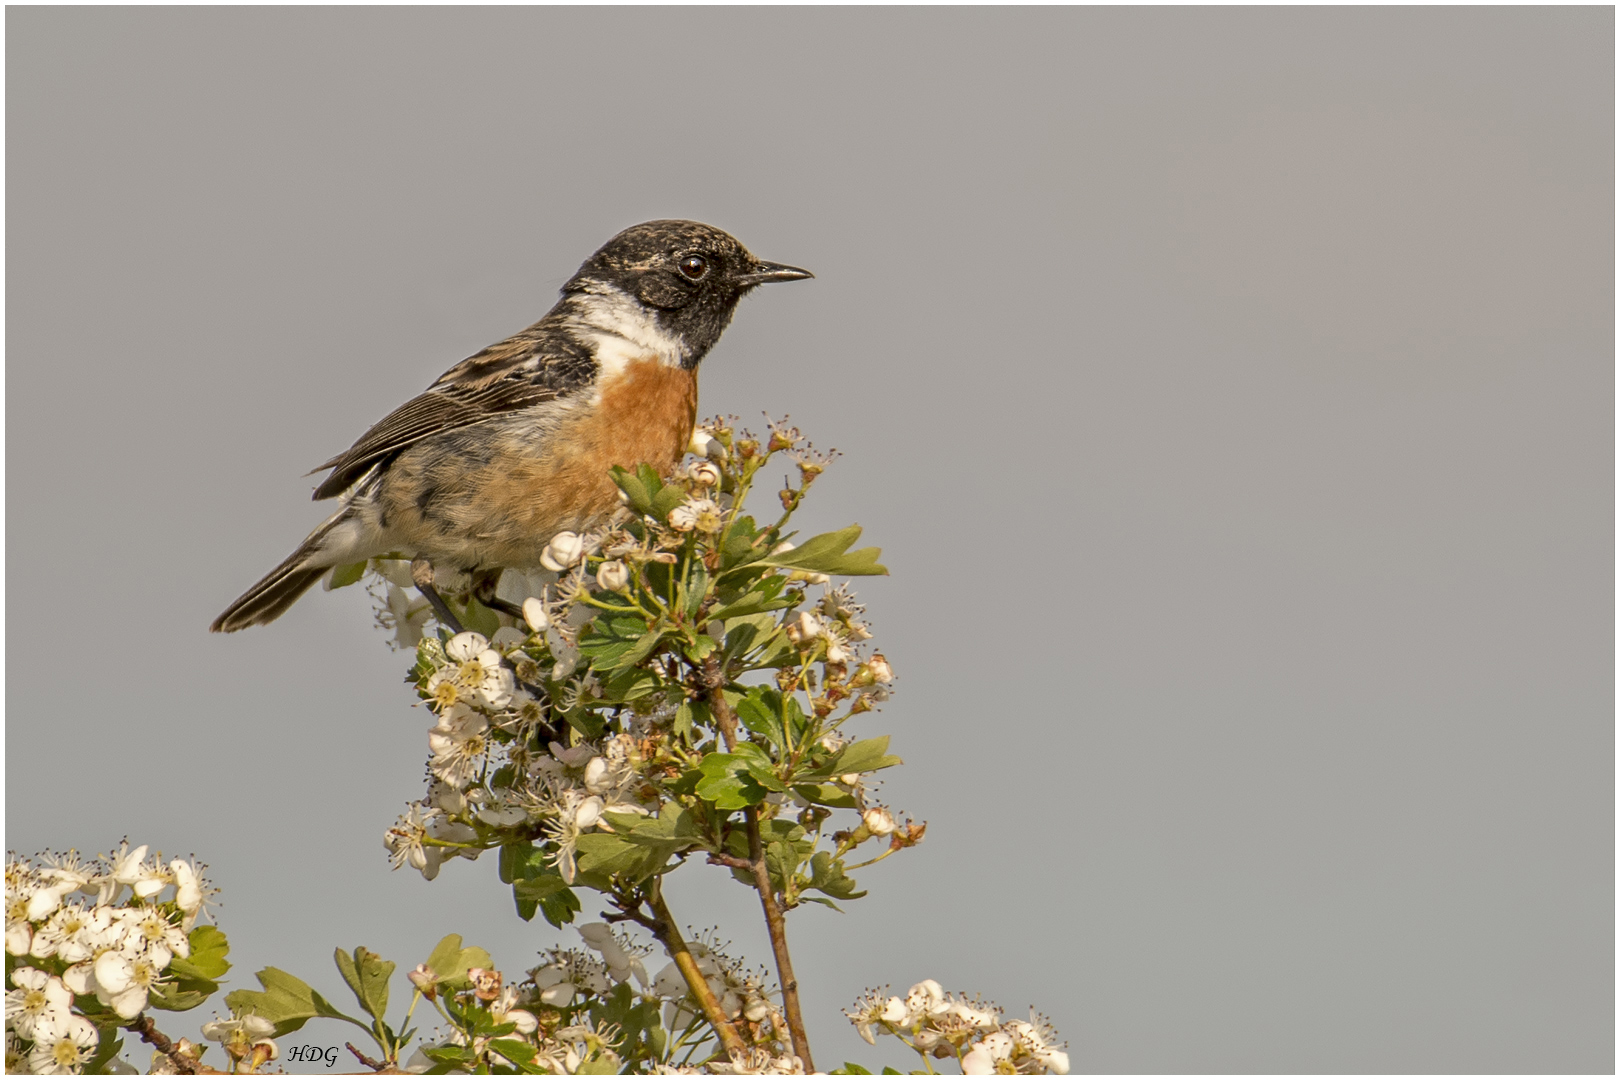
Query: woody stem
{"type": "Point", "coordinates": [147, 1030]}
{"type": "Point", "coordinates": [669, 933]}
{"type": "Point", "coordinates": [714, 680]}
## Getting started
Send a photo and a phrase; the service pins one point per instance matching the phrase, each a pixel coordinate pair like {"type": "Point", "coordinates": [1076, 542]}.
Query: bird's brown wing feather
{"type": "Point", "coordinates": [514, 374]}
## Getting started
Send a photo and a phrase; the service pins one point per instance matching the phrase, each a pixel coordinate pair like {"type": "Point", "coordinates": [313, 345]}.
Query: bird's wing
{"type": "Point", "coordinates": [526, 370]}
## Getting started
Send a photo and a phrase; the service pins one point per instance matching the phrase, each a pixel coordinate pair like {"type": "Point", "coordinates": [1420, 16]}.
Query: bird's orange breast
{"type": "Point", "coordinates": [494, 494]}
{"type": "Point", "coordinates": [644, 415]}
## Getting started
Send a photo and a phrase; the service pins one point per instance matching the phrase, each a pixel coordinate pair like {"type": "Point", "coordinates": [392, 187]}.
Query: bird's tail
{"type": "Point", "coordinates": [280, 588]}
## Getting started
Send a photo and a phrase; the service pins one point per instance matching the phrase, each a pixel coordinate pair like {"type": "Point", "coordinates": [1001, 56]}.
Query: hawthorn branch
{"type": "Point", "coordinates": [369, 1062]}
{"type": "Point", "coordinates": [669, 934]}
{"type": "Point", "coordinates": [714, 680]}
{"type": "Point", "coordinates": [147, 1030]}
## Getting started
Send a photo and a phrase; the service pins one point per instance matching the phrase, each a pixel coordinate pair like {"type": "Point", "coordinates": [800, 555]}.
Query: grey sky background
{"type": "Point", "coordinates": [1230, 391]}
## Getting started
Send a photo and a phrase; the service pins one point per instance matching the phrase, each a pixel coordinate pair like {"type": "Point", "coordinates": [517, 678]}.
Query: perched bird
{"type": "Point", "coordinates": [513, 445]}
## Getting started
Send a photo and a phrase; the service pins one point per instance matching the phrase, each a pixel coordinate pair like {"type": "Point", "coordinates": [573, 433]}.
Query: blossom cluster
{"type": "Point", "coordinates": [941, 1025]}
{"type": "Point", "coordinates": [89, 943]}
{"type": "Point", "coordinates": [542, 732]}
{"type": "Point", "coordinates": [595, 1009]}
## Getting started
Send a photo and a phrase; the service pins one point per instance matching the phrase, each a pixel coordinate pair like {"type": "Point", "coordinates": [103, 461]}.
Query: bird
{"type": "Point", "coordinates": [514, 444]}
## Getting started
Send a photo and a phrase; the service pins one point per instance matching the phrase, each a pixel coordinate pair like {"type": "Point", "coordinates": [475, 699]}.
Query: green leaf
{"type": "Point", "coordinates": [194, 979]}
{"type": "Point", "coordinates": [638, 487]}
{"type": "Point", "coordinates": [697, 588]}
{"type": "Point", "coordinates": [450, 962]}
{"type": "Point", "coordinates": [605, 853]}
{"type": "Point", "coordinates": [730, 783]}
{"type": "Point", "coordinates": [177, 997]}
{"type": "Point", "coordinates": [827, 875]}
{"type": "Point", "coordinates": [640, 846]}
{"type": "Point", "coordinates": [667, 499]}
{"type": "Point", "coordinates": [867, 755]}
{"type": "Point", "coordinates": [629, 684]}
{"type": "Point", "coordinates": [286, 1001]}
{"type": "Point", "coordinates": [619, 641]}
{"type": "Point", "coordinates": [207, 959]}
{"type": "Point", "coordinates": [518, 1052]}
{"type": "Point", "coordinates": [827, 795]}
{"type": "Point", "coordinates": [475, 616]}
{"type": "Point", "coordinates": [367, 975]}
{"type": "Point", "coordinates": [448, 1056]}
{"type": "Point", "coordinates": [829, 554]}
{"type": "Point", "coordinates": [689, 714]}
{"type": "Point", "coordinates": [781, 860]}
{"type": "Point", "coordinates": [759, 600]}
{"type": "Point", "coordinates": [852, 1069]}
{"type": "Point", "coordinates": [106, 1050]}
{"type": "Point", "coordinates": [346, 575]}
{"type": "Point", "coordinates": [560, 908]}
{"type": "Point", "coordinates": [746, 633]}
{"type": "Point", "coordinates": [759, 765]}
{"type": "Point", "coordinates": [760, 712]}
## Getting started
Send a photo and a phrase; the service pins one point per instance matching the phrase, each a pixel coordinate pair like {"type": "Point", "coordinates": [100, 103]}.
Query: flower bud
{"type": "Point", "coordinates": [705, 474]}
{"type": "Point", "coordinates": [878, 821]}
{"type": "Point", "coordinates": [613, 576]}
{"type": "Point", "coordinates": [701, 441]}
{"type": "Point", "coordinates": [564, 551]}
{"type": "Point", "coordinates": [880, 669]}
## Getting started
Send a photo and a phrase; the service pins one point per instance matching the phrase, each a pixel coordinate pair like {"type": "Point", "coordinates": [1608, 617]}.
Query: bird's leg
{"type": "Point", "coordinates": [422, 574]}
{"type": "Point", "coordinates": [485, 582]}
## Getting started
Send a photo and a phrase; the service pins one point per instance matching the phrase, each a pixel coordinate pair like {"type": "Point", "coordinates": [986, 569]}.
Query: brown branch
{"type": "Point", "coordinates": [720, 858]}
{"type": "Point", "coordinates": [715, 680]}
{"type": "Point", "coordinates": [147, 1030]}
{"type": "Point", "coordinates": [369, 1062]}
{"type": "Point", "coordinates": [778, 928]}
{"type": "Point", "coordinates": [675, 945]}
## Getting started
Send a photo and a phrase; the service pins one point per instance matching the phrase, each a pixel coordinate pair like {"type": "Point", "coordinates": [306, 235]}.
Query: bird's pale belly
{"type": "Point", "coordinates": [494, 494]}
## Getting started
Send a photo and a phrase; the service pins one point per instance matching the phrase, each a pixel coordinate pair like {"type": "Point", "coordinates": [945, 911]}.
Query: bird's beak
{"type": "Point", "coordinates": [766, 272]}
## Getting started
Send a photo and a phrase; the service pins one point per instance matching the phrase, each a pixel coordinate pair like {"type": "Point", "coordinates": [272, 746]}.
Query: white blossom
{"type": "Point", "coordinates": [124, 982]}
{"type": "Point", "coordinates": [704, 515]}
{"type": "Point", "coordinates": [458, 741]}
{"type": "Point", "coordinates": [39, 997]}
{"type": "Point", "coordinates": [63, 1044]}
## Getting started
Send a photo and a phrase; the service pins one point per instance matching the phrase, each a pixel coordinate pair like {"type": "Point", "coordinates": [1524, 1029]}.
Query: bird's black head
{"type": "Point", "coordinates": [686, 275]}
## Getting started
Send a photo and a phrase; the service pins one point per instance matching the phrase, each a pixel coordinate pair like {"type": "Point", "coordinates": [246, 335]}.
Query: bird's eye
{"type": "Point", "coordinates": [694, 267]}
